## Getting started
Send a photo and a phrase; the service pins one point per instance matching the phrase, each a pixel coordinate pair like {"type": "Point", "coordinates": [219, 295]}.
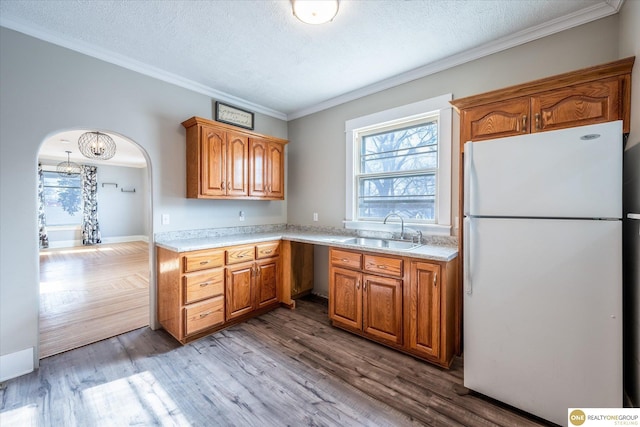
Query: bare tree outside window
{"type": "Point", "coordinates": [397, 172]}
{"type": "Point", "coordinates": [62, 199]}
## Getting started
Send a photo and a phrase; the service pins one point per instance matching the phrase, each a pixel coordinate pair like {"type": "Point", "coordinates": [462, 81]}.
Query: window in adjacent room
{"type": "Point", "coordinates": [62, 199]}
{"type": "Point", "coordinates": [399, 161]}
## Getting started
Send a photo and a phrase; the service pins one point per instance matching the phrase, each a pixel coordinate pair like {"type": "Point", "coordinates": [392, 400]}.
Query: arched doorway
{"type": "Point", "coordinates": [93, 289]}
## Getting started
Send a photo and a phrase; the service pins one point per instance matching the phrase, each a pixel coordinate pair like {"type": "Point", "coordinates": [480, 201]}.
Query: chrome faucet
{"type": "Point", "coordinates": [401, 223]}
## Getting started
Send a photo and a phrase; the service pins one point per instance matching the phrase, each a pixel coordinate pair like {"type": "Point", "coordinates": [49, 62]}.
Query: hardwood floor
{"type": "Point", "coordinates": [287, 367]}
{"type": "Point", "coordinates": [90, 293]}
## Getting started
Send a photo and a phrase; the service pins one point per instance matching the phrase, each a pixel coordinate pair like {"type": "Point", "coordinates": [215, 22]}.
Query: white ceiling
{"type": "Point", "coordinates": [256, 55]}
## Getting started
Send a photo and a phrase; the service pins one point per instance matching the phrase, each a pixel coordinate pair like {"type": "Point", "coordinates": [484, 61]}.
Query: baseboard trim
{"type": "Point", "coordinates": [16, 364]}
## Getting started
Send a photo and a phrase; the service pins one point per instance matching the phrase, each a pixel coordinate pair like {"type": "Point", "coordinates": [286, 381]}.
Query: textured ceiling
{"type": "Point", "coordinates": [257, 55]}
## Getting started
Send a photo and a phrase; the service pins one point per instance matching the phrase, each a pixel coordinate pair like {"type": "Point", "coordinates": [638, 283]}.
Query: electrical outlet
{"type": "Point", "coordinates": [165, 219]}
{"type": "Point", "coordinates": [315, 216]}
{"type": "Point", "coordinates": [241, 216]}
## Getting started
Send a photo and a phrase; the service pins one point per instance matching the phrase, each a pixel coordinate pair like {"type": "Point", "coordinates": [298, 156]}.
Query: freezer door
{"type": "Point", "coordinates": [564, 173]}
{"type": "Point", "coordinates": [543, 314]}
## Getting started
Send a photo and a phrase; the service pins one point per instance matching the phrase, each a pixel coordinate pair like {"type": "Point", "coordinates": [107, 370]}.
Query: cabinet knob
{"type": "Point", "coordinates": [537, 121]}
{"type": "Point", "coordinates": [524, 124]}
{"type": "Point", "coordinates": [222, 185]}
{"type": "Point", "coordinates": [435, 279]}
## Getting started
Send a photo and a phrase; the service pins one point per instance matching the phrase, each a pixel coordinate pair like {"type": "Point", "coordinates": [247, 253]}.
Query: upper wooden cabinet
{"type": "Point", "coordinates": [593, 95]}
{"type": "Point", "coordinates": [226, 162]}
{"type": "Point", "coordinates": [266, 169]}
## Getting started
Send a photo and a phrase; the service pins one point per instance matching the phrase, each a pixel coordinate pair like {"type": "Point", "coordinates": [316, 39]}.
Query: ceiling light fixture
{"type": "Point", "coordinates": [97, 145]}
{"type": "Point", "coordinates": [68, 168]}
{"type": "Point", "coordinates": [315, 11]}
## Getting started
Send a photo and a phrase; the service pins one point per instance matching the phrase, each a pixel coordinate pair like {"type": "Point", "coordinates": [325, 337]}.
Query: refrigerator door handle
{"type": "Point", "coordinates": [466, 255]}
{"type": "Point", "coordinates": [468, 165]}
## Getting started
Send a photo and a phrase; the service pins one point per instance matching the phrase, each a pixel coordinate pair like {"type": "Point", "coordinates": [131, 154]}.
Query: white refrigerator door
{"type": "Point", "coordinates": [548, 175]}
{"type": "Point", "coordinates": [543, 313]}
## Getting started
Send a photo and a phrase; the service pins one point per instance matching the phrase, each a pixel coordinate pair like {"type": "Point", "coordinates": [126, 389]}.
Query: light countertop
{"type": "Point", "coordinates": [427, 251]}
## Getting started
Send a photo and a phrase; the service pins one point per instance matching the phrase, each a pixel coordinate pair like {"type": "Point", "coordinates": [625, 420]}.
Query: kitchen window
{"type": "Point", "coordinates": [399, 160]}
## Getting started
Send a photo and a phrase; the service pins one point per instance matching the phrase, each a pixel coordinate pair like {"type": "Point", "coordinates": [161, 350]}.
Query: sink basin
{"type": "Point", "coordinates": [382, 243]}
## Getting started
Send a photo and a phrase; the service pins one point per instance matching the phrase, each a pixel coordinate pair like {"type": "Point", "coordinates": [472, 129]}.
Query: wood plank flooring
{"type": "Point", "coordinates": [287, 367]}
{"type": "Point", "coordinates": [90, 293]}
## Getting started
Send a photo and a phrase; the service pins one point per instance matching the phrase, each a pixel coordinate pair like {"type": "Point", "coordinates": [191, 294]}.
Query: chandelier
{"type": "Point", "coordinates": [97, 145]}
{"type": "Point", "coordinates": [68, 168]}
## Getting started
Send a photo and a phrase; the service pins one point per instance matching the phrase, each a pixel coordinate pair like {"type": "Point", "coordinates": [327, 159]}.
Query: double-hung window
{"type": "Point", "coordinates": [62, 199]}
{"type": "Point", "coordinates": [399, 161]}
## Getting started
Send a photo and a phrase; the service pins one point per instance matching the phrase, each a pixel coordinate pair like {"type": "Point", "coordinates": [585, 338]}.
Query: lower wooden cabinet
{"type": "Point", "coordinates": [200, 292]}
{"type": "Point", "coordinates": [408, 304]}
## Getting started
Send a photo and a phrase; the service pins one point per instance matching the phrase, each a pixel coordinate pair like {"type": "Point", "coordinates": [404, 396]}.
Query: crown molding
{"type": "Point", "coordinates": [592, 13]}
{"type": "Point", "coordinates": [584, 16]}
{"type": "Point", "coordinates": [134, 65]}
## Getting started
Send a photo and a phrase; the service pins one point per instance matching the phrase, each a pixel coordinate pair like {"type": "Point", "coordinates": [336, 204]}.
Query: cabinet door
{"type": "Point", "coordinates": [423, 317]}
{"type": "Point", "coordinates": [213, 155]}
{"type": "Point", "coordinates": [382, 308]}
{"type": "Point", "coordinates": [237, 164]}
{"type": "Point", "coordinates": [267, 278]}
{"type": "Point", "coordinates": [258, 179]}
{"type": "Point", "coordinates": [275, 174]}
{"type": "Point", "coordinates": [345, 297]}
{"type": "Point", "coordinates": [495, 120]}
{"type": "Point", "coordinates": [585, 104]}
{"type": "Point", "coordinates": [239, 290]}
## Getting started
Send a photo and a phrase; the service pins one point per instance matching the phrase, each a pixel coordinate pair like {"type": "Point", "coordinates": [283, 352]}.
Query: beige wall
{"type": "Point", "coordinates": [47, 89]}
{"type": "Point", "coordinates": [630, 46]}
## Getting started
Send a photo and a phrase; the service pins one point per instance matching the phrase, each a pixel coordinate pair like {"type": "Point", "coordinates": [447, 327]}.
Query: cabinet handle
{"type": "Point", "coordinates": [537, 121]}
{"type": "Point", "coordinates": [203, 284]}
{"type": "Point", "coordinates": [204, 262]}
{"type": "Point", "coordinates": [435, 279]}
{"type": "Point", "coordinates": [364, 286]}
{"type": "Point", "coordinates": [524, 124]}
{"type": "Point", "coordinates": [382, 267]}
{"type": "Point", "coordinates": [229, 184]}
{"type": "Point", "coordinates": [268, 251]}
{"type": "Point", "coordinates": [205, 314]}
{"type": "Point", "coordinates": [358, 284]}
{"type": "Point", "coordinates": [222, 185]}
{"type": "Point", "coordinates": [344, 260]}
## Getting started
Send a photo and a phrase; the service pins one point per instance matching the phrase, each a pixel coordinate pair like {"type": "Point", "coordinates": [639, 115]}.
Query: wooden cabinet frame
{"type": "Point", "coordinates": [227, 162]}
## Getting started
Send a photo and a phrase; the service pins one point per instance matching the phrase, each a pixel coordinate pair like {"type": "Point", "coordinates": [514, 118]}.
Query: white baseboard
{"type": "Point", "coordinates": [15, 364]}
{"type": "Point", "coordinates": [116, 239]}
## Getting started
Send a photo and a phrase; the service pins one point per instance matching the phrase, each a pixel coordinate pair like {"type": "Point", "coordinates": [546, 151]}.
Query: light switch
{"type": "Point", "coordinates": [165, 219]}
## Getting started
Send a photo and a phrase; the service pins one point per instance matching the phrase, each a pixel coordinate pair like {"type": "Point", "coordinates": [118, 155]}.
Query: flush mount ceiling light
{"type": "Point", "coordinates": [315, 11]}
{"type": "Point", "coordinates": [68, 168]}
{"type": "Point", "coordinates": [97, 145]}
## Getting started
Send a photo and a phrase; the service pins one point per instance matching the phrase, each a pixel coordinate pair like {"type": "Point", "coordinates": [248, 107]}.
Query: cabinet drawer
{"type": "Point", "coordinates": [267, 250]}
{"type": "Point", "coordinates": [202, 260]}
{"type": "Point", "coordinates": [241, 254]}
{"type": "Point", "coordinates": [346, 259]}
{"type": "Point", "coordinates": [383, 265]}
{"type": "Point", "coordinates": [204, 315]}
{"type": "Point", "coordinates": [203, 285]}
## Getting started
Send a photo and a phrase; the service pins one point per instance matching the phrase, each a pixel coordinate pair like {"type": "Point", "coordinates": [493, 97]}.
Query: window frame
{"type": "Point", "coordinates": [427, 108]}
{"type": "Point", "coordinates": [53, 169]}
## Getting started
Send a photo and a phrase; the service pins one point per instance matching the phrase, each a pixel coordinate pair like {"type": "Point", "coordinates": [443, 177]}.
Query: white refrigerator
{"type": "Point", "coordinates": [543, 269]}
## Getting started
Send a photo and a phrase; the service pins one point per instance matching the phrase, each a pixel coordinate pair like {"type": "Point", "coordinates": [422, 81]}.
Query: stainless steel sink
{"type": "Point", "coordinates": [382, 243]}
